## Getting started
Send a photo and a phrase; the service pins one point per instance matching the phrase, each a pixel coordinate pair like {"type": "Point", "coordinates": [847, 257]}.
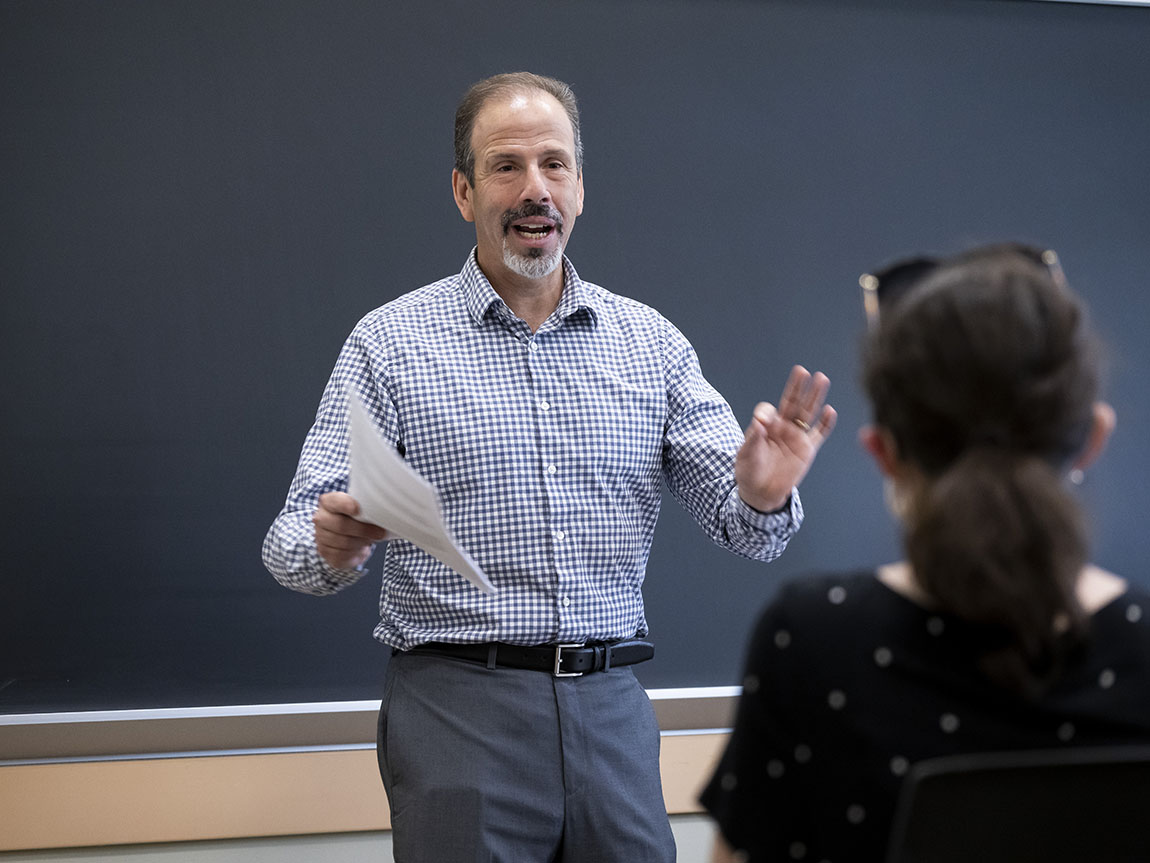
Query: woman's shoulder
{"type": "Point", "coordinates": [1119, 607]}
{"type": "Point", "coordinates": [822, 599]}
{"type": "Point", "coordinates": [838, 589]}
{"type": "Point", "coordinates": [1097, 588]}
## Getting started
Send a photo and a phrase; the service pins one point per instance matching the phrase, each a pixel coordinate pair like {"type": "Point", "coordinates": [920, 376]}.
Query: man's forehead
{"type": "Point", "coordinates": [521, 112]}
{"type": "Point", "coordinates": [518, 98]}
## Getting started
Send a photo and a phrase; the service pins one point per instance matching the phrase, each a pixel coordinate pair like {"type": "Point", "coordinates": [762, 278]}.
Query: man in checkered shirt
{"type": "Point", "coordinates": [547, 412]}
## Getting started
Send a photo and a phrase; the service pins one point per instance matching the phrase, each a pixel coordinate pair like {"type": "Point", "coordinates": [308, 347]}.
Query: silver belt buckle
{"type": "Point", "coordinates": [559, 662]}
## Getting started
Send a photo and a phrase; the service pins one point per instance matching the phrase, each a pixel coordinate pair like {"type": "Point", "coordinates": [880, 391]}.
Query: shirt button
{"type": "Point", "coordinates": [558, 534]}
{"type": "Point", "coordinates": [544, 406]}
{"type": "Point", "coordinates": [533, 345]}
{"type": "Point", "coordinates": [566, 601]}
{"type": "Point", "coordinates": [552, 469]}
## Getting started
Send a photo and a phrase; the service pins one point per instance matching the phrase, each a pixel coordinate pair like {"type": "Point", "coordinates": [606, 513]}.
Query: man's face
{"type": "Point", "coordinates": [527, 189]}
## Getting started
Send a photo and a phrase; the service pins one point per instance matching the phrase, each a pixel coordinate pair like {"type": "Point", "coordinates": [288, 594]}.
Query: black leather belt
{"type": "Point", "coordinates": [560, 660]}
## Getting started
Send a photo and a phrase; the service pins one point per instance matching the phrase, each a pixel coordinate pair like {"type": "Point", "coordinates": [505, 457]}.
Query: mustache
{"type": "Point", "coordinates": [528, 210]}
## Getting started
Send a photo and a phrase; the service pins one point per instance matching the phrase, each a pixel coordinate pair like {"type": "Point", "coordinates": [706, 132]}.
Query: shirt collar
{"type": "Point", "coordinates": [480, 297]}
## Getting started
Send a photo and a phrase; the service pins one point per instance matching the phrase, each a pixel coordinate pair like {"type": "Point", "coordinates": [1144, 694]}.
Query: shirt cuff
{"type": "Point", "coordinates": [337, 579]}
{"type": "Point", "coordinates": [789, 514]}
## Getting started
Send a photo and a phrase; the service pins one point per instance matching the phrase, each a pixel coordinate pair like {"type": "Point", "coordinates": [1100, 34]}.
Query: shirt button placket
{"type": "Point", "coordinates": [545, 419]}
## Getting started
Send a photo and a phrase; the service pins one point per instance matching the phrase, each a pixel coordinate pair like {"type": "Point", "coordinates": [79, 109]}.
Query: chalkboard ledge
{"type": "Point", "coordinates": [270, 728]}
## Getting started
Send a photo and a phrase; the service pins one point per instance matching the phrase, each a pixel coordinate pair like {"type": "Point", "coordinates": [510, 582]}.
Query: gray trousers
{"type": "Point", "coordinates": [518, 766]}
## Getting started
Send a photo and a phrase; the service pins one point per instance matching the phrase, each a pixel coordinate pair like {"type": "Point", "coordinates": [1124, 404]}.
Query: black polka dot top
{"type": "Point", "coordinates": [848, 683]}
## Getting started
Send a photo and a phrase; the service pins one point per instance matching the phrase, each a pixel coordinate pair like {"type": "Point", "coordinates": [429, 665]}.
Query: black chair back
{"type": "Point", "coordinates": [1088, 805]}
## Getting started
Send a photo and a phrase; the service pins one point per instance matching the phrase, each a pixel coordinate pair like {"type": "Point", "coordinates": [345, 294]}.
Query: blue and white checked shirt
{"type": "Point", "coordinates": [547, 449]}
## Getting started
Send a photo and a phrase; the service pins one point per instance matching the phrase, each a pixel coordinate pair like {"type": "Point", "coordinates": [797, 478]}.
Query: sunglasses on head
{"type": "Point", "coordinates": [887, 285]}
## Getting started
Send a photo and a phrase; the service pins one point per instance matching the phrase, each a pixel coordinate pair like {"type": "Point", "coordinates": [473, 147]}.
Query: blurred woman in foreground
{"type": "Point", "coordinates": [995, 633]}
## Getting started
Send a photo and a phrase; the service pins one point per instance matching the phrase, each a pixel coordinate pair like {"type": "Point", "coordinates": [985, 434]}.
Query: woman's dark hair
{"type": "Point", "coordinates": [985, 374]}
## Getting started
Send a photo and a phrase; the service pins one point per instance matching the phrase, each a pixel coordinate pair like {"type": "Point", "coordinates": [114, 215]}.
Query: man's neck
{"type": "Point", "coordinates": [532, 300]}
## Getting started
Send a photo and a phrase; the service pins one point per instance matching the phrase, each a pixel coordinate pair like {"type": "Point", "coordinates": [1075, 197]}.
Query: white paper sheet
{"type": "Point", "coordinates": [393, 496]}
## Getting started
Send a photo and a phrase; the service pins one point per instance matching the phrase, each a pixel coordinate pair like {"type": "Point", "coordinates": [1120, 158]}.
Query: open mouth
{"type": "Point", "coordinates": [533, 231]}
{"type": "Point", "coordinates": [533, 222]}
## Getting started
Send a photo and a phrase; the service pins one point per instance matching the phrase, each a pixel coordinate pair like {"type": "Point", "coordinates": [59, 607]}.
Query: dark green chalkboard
{"type": "Point", "coordinates": [200, 198]}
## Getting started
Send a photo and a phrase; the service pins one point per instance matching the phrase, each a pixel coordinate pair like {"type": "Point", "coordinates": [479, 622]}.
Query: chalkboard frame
{"type": "Point", "coordinates": [201, 209]}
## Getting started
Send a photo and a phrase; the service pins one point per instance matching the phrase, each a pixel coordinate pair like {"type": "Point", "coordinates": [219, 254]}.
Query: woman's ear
{"type": "Point", "coordinates": [880, 444]}
{"type": "Point", "coordinates": [1101, 427]}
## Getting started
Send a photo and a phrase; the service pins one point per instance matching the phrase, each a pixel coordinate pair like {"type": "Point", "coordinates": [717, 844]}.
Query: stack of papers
{"type": "Point", "coordinates": [393, 496]}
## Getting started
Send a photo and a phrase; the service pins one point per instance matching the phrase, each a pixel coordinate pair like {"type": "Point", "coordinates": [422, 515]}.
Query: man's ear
{"type": "Point", "coordinates": [880, 444]}
{"type": "Point", "coordinates": [463, 192]}
{"type": "Point", "coordinates": [1101, 427]}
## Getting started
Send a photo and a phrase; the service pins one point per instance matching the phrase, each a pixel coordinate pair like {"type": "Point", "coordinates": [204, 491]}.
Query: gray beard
{"type": "Point", "coordinates": [531, 267]}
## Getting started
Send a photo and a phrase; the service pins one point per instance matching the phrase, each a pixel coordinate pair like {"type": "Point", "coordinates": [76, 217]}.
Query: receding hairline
{"type": "Point", "coordinates": [509, 96]}
{"type": "Point", "coordinates": [564, 146]}
{"type": "Point", "coordinates": [505, 87]}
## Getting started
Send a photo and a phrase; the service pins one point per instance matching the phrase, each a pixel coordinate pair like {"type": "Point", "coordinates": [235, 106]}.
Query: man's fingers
{"type": "Point", "coordinates": [827, 421]}
{"type": "Point", "coordinates": [814, 396]}
{"type": "Point", "coordinates": [334, 517]}
{"type": "Point", "coordinates": [793, 391]}
{"type": "Point", "coordinates": [339, 541]}
{"type": "Point", "coordinates": [821, 424]}
{"type": "Point", "coordinates": [339, 502]}
{"type": "Point", "coordinates": [765, 413]}
{"type": "Point", "coordinates": [341, 525]}
{"type": "Point", "coordinates": [803, 399]}
{"type": "Point", "coordinates": [344, 542]}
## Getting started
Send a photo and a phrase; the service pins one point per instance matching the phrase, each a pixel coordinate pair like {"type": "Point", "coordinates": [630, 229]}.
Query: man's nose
{"type": "Point", "coordinates": [535, 186]}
